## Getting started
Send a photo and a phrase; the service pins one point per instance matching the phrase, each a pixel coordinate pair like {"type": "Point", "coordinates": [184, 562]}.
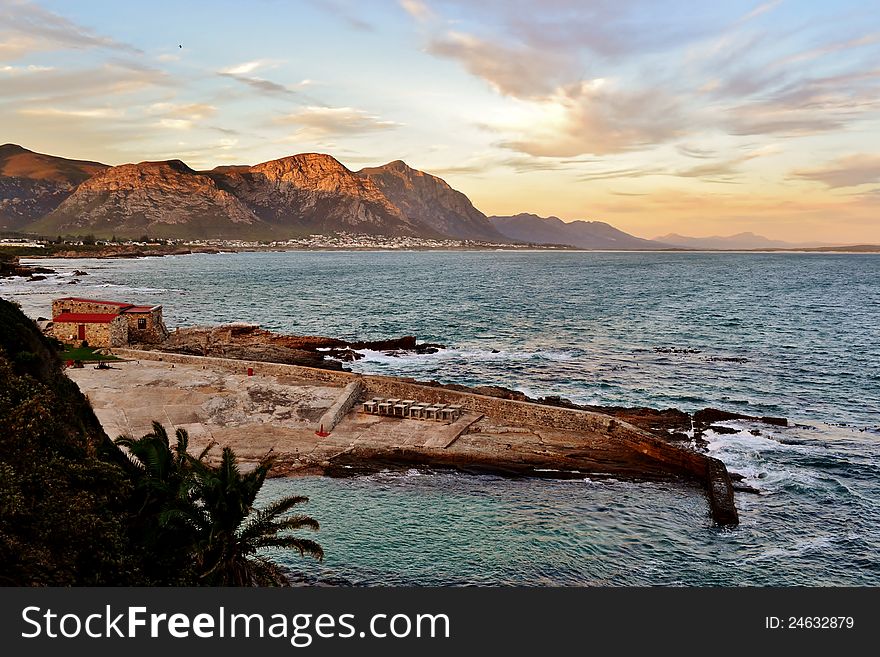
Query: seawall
{"type": "Point", "coordinates": [710, 472]}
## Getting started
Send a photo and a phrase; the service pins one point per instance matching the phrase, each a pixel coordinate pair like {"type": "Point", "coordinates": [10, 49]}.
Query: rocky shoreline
{"type": "Point", "coordinates": [11, 267]}
{"type": "Point", "coordinates": [252, 343]}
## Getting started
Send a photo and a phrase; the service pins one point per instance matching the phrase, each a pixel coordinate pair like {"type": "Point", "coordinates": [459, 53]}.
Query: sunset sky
{"type": "Point", "coordinates": [688, 117]}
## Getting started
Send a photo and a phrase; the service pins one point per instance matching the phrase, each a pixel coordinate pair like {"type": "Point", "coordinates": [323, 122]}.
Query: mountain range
{"type": "Point", "coordinates": [309, 193]}
{"type": "Point", "coordinates": [533, 229]}
{"type": "Point", "coordinates": [730, 242]}
{"type": "Point", "coordinates": [289, 197]}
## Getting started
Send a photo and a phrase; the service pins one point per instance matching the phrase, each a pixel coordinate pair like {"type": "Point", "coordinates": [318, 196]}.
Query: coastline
{"type": "Point", "coordinates": [257, 407]}
{"type": "Point", "coordinates": [220, 248]}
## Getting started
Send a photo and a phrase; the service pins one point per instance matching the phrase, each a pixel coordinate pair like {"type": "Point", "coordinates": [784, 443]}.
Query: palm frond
{"type": "Point", "coordinates": [304, 546]}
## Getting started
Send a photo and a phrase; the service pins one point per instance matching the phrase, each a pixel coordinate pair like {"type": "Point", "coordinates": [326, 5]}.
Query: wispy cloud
{"type": "Point", "coordinates": [58, 85]}
{"type": "Point", "coordinates": [346, 11]}
{"type": "Point", "coordinates": [598, 118]}
{"type": "Point", "coordinates": [186, 111]}
{"type": "Point", "coordinates": [85, 113]}
{"type": "Point", "coordinates": [847, 171]}
{"type": "Point", "coordinates": [418, 9]}
{"type": "Point", "coordinates": [320, 122]}
{"type": "Point", "coordinates": [760, 9]}
{"type": "Point", "coordinates": [27, 28]}
{"type": "Point", "coordinates": [243, 73]}
{"type": "Point", "coordinates": [513, 70]}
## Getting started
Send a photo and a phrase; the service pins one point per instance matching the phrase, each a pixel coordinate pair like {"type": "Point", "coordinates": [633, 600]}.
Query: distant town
{"type": "Point", "coordinates": [340, 240]}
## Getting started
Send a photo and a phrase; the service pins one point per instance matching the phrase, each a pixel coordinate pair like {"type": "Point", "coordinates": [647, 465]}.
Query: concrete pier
{"type": "Point", "coordinates": [280, 407]}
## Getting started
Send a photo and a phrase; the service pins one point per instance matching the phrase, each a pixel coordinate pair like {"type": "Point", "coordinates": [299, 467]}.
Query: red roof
{"type": "Point", "coordinates": [106, 303]}
{"type": "Point", "coordinates": [85, 318]}
{"type": "Point", "coordinates": [138, 309]}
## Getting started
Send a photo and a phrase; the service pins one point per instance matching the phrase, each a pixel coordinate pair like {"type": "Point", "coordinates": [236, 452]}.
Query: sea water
{"type": "Point", "coordinates": [793, 335]}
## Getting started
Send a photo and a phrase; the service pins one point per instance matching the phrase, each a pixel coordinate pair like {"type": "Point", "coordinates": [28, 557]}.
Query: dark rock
{"type": "Point", "coordinates": [406, 342]}
{"type": "Point", "coordinates": [717, 428]}
{"type": "Point", "coordinates": [80, 272]}
{"type": "Point", "coordinates": [72, 281]}
{"type": "Point", "coordinates": [37, 277]}
{"type": "Point", "coordinates": [675, 350]}
{"type": "Point", "coordinates": [721, 359]}
{"type": "Point", "coordinates": [709, 416]}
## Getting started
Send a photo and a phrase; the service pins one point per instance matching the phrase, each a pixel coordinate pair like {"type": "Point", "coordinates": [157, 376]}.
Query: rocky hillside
{"type": "Point", "coordinates": [583, 234]}
{"type": "Point", "coordinates": [32, 184]}
{"type": "Point", "coordinates": [313, 193]}
{"type": "Point", "coordinates": [165, 199]}
{"type": "Point", "coordinates": [430, 201]}
{"type": "Point", "coordinates": [64, 487]}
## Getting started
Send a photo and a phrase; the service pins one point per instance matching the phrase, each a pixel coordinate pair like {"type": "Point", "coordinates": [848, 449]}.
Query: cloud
{"type": "Point", "coordinates": [760, 9]}
{"type": "Point", "coordinates": [809, 106]}
{"type": "Point", "coordinates": [518, 71]}
{"type": "Point", "coordinates": [19, 70]}
{"type": "Point", "coordinates": [27, 28]}
{"type": "Point", "coordinates": [319, 122]}
{"type": "Point", "coordinates": [418, 9]}
{"type": "Point", "coordinates": [244, 69]}
{"type": "Point", "coordinates": [86, 113]}
{"type": "Point", "coordinates": [838, 46]}
{"type": "Point", "coordinates": [242, 73]}
{"type": "Point", "coordinates": [609, 29]}
{"type": "Point", "coordinates": [597, 118]}
{"type": "Point", "coordinates": [347, 12]}
{"type": "Point", "coordinates": [696, 152]}
{"type": "Point", "coordinates": [183, 111]}
{"type": "Point", "coordinates": [848, 171]}
{"type": "Point", "coordinates": [58, 86]}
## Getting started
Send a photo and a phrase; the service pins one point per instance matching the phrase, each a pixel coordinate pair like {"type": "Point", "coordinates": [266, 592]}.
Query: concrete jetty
{"type": "Point", "coordinates": [281, 408]}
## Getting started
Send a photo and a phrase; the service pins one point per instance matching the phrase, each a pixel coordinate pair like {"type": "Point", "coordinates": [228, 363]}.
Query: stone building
{"type": "Point", "coordinates": [106, 323]}
{"type": "Point", "coordinates": [97, 329]}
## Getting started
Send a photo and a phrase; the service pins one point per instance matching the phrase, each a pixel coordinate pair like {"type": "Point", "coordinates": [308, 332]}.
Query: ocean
{"type": "Point", "coordinates": [792, 335]}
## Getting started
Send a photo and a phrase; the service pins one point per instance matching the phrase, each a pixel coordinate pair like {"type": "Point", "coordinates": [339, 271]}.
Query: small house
{"type": "Point", "coordinates": [106, 323]}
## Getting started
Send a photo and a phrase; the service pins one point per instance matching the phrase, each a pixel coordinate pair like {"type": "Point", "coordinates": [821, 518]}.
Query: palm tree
{"type": "Point", "coordinates": [167, 473]}
{"type": "Point", "coordinates": [163, 489]}
{"type": "Point", "coordinates": [201, 519]}
{"type": "Point", "coordinates": [232, 533]}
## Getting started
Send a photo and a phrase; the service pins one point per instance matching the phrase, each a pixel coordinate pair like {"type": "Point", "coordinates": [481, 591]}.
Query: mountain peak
{"type": "Point", "coordinates": [430, 201]}
{"type": "Point", "coordinates": [176, 165]}
{"type": "Point", "coordinates": [12, 149]}
{"type": "Point", "coordinates": [33, 184]}
{"type": "Point", "coordinates": [304, 160]}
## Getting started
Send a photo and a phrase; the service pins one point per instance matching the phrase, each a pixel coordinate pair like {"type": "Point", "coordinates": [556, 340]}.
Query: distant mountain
{"type": "Point", "coordinates": [164, 199]}
{"type": "Point", "coordinates": [33, 184]}
{"type": "Point", "coordinates": [731, 242]}
{"type": "Point", "coordinates": [430, 201]}
{"type": "Point", "coordinates": [289, 197]}
{"type": "Point", "coordinates": [313, 193]}
{"type": "Point", "coordinates": [583, 234]}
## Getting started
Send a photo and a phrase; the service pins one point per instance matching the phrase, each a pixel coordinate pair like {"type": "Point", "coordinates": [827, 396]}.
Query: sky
{"type": "Point", "coordinates": [655, 116]}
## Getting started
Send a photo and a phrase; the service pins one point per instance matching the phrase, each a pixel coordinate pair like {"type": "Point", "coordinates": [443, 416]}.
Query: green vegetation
{"type": "Point", "coordinates": [75, 509]}
{"type": "Point", "coordinates": [207, 514]}
{"type": "Point", "coordinates": [85, 354]}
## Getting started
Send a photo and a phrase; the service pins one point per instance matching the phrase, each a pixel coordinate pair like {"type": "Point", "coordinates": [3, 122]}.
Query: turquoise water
{"type": "Point", "coordinates": [794, 335]}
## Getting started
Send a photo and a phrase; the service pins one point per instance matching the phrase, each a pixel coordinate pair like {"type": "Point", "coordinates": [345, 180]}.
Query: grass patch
{"type": "Point", "coordinates": [85, 354]}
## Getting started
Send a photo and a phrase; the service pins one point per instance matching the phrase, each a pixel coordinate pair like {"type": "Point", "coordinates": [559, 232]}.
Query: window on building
{"type": "Point", "coordinates": [65, 310]}
{"type": "Point", "coordinates": [142, 323]}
